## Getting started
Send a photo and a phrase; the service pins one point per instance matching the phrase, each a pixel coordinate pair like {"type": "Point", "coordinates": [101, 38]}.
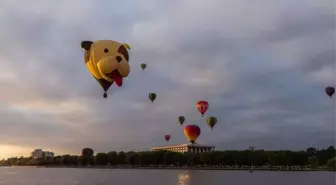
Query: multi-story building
{"type": "Point", "coordinates": [192, 148]}
{"type": "Point", "coordinates": [39, 153]}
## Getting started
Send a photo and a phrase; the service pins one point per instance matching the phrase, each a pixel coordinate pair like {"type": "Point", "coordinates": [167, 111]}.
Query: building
{"type": "Point", "coordinates": [48, 154]}
{"type": "Point", "coordinates": [39, 153]}
{"type": "Point", "coordinates": [193, 148]}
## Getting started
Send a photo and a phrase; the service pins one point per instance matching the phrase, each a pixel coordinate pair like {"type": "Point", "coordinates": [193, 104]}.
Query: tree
{"type": "Point", "coordinates": [146, 158]}
{"type": "Point", "coordinates": [112, 158]}
{"type": "Point", "coordinates": [311, 151]}
{"type": "Point", "coordinates": [33, 162]}
{"type": "Point", "coordinates": [58, 160]}
{"type": "Point", "coordinates": [170, 158]}
{"type": "Point", "coordinates": [331, 148]}
{"type": "Point", "coordinates": [312, 157]}
{"type": "Point", "coordinates": [101, 159]}
{"type": "Point", "coordinates": [331, 163]}
{"type": "Point", "coordinates": [122, 158]}
{"type": "Point", "coordinates": [132, 158]}
{"type": "Point", "coordinates": [313, 162]}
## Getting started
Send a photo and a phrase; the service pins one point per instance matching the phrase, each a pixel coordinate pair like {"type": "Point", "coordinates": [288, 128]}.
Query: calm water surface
{"type": "Point", "coordinates": [58, 176]}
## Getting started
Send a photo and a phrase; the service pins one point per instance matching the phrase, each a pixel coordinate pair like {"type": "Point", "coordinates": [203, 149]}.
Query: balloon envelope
{"type": "Point", "coordinates": [87, 152]}
{"type": "Point", "coordinates": [211, 121]}
{"type": "Point", "coordinates": [192, 132]}
{"type": "Point", "coordinates": [181, 119]}
{"type": "Point", "coordinates": [167, 137]}
{"type": "Point", "coordinates": [202, 106]}
{"type": "Point", "coordinates": [152, 96]}
{"type": "Point", "coordinates": [143, 66]}
{"type": "Point", "coordinates": [109, 66]}
{"type": "Point", "coordinates": [330, 91]}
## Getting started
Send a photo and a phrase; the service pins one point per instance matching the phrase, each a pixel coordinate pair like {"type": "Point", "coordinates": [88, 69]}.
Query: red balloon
{"type": "Point", "coordinates": [192, 132]}
{"type": "Point", "coordinates": [87, 152]}
{"type": "Point", "coordinates": [167, 137]}
{"type": "Point", "coordinates": [202, 107]}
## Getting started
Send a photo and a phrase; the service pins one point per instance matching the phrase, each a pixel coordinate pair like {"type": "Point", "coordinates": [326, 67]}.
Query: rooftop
{"type": "Point", "coordinates": [185, 145]}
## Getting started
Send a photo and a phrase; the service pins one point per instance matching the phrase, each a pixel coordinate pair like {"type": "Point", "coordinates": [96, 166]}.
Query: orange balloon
{"type": "Point", "coordinates": [192, 132]}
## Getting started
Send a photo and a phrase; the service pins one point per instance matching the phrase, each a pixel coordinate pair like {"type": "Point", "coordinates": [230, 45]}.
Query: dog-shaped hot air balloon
{"type": "Point", "coordinates": [107, 61]}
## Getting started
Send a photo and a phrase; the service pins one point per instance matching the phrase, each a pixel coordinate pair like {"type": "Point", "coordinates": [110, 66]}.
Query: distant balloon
{"type": "Point", "coordinates": [152, 96]}
{"type": "Point", "coordinates": [202, 107]}
{"type": "Point", "coordinates": [192, 132]}
{"type": "Point", "coordinates": [330, 91]}
{"type": "Point", "coordinates": [181, 119]}
{"type": "Point", "coordinates": [251, 148]}
{"type": "Point", "coordinates": [167, 137]}
{"type": "Point", "coordinates": [87, 152]}
{"type": "Point", "coordinates": [143, 66]}
{"type": "Point", "coordinates": [211, 121]}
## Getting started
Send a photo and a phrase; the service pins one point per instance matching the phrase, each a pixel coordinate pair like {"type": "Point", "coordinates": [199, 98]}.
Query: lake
{"type": "Point", "coordinates": [68, 176]}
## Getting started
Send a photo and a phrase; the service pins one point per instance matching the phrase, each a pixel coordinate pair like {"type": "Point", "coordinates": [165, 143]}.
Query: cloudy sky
{"type": "Point", "coordinates": [262, 67]}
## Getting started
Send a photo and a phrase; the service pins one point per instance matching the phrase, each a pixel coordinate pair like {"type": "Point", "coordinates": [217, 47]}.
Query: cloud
{"type": "Point", "coordinates": [262, 67]}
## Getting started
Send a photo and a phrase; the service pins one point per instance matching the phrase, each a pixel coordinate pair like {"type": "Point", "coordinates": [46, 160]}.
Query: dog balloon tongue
{"type": "Point", "coordinates": [117, 78]}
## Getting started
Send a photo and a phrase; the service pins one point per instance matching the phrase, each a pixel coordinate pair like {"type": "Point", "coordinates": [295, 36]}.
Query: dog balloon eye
{"type": "Point", "coordinates": [118, 58]}
{"type": "Point", "coordinates": [106, 50]}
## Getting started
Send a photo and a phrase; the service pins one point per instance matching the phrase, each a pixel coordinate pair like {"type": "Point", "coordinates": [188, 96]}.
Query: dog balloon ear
{"type": "Point", "coordinates": [127, 46]}
{"type": "Point", "coordinates": [86, 44]}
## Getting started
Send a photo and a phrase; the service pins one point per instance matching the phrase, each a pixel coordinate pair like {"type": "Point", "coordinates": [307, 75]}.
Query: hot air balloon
{"type": "Point", "coordinates": [143, 66]}
{"type": "Point", "coordinates": [211, 121]}
{"type": "Point", "coordinates": [330, 91]}
{"type": "Point", "coordinates": [192, 132]}
{"type": "Point", "coordinates": [167, 137]}
{"type": "Point", "coordinates": [87, 155]}
{"type": "Point", "coordinates": [107, 61]}
{"type": "Point", "coordinates": [181, 119]}
{"type": "Point", "coordinates": [87, 152]}
{"type": "Point", "coordinates": [251, 148]}
{"type": "Point", "coordinates": [202, 107]}
{"type": "Point", "coordinates": [152, 96]}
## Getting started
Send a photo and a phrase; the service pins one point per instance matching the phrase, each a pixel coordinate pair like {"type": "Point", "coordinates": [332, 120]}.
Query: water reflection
{"type": "Point", "coordinates": [184, 178]}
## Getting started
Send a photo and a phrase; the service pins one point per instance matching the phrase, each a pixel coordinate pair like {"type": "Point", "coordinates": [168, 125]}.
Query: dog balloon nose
{"type": "Point", "coordinates": [118, 58]}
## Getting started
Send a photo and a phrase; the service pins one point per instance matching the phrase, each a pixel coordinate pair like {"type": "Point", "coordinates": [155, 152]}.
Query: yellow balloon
{"type": "Point", "coordinates": [107, 61]}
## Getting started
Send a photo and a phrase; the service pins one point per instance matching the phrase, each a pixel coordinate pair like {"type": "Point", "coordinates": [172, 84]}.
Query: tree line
{"type": "Point", "coordinates": [311, 157]}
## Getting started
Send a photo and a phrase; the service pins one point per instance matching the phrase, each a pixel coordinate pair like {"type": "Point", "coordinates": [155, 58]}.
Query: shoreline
{"type": "Point", "coordinates": [186, 168]}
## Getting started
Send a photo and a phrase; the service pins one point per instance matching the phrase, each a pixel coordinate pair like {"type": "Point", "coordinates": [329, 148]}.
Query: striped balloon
{"type": "Point", "coordinates": [211, 121]}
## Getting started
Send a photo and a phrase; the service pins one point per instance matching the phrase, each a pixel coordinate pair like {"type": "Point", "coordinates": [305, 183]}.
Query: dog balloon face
{"type": "Point", "coordinates": [107, 61]}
